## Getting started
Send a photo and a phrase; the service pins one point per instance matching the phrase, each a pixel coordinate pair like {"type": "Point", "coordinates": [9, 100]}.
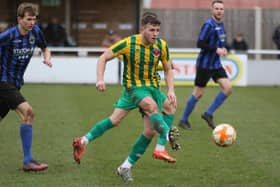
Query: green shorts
{"type": "Point", "coordinates": [131, 97]}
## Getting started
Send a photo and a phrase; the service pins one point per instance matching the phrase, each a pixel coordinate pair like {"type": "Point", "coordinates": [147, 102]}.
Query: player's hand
{"type": "Point", "coordinates": [222, 52]}
{"type": "Point", "coordinates": [100, 86]}
{"type": "Point", "coordinates": [175, 67]}
{"type": "Point", "coordinates": [48, 63]}
{"type": "Point", "coordinates": [172, 98]}
{"type": "Point", "coordinates": [225, 52]}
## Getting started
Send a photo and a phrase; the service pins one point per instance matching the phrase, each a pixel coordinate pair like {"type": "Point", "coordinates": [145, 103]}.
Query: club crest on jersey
{"type": "Point", "coordinates": [156, 52]}
{"type": "Point", "coordinates": [32, 40]}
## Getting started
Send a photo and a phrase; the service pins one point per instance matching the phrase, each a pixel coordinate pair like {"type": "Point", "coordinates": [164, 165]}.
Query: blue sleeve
{"type": "Point", "coordinates": [204, 40]}
{"type": "Point", "coordinates": [5, 38]}
{"type": "Point", "coordinates": [205, 32]}
{"type": "Point", "coordinates": [40, 38]}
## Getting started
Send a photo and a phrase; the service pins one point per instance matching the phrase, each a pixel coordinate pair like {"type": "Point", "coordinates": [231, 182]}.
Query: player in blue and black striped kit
{"type": "Point", "coordinates": [212, 42]}
{"type": "Point", "coordinates": [17, 45]}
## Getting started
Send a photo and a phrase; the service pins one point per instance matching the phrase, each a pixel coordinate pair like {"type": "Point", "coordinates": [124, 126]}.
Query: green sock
{"type": "Point", "coordinates": [99, 129]}
{"type": "Point", "coordinates": [160, 126]}
{"type": "Point", "coordinates": [138, 149]}
{"type": "Point", "coordinates": [168, 118]}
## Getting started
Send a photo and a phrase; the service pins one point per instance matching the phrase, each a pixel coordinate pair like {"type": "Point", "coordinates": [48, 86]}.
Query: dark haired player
{"type": "Point", "coordinates": [141, 53]}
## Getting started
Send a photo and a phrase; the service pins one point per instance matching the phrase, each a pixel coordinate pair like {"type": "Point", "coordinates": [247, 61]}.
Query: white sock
{"type": "Point", "coordinates": [126, 164]}
{"type": "Point", "coordinates": [160, 147]}
{"type": "Point", "coordinates": [84, 140]}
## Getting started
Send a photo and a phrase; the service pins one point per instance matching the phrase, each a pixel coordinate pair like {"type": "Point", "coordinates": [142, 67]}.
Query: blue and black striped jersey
{"type": "Point", "coordinates": [213, 35]}
{"type": "Point", "coordinates": [16, 52]}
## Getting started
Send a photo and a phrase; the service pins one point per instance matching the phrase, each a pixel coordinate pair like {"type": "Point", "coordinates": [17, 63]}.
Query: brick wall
{"type": "Point", "coordinates": [94, 14]}
{"type": "Point", "coordinates": [120, 15]}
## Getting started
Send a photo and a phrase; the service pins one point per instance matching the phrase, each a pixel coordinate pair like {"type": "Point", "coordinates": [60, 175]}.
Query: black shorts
{"type": "Point", "coordinates": [10, 98]}
{"type": "Point", "coordinates": [203, 76]}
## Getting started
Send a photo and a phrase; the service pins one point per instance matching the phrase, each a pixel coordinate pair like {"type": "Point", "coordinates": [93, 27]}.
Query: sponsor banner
{"type": "Point", "coordinates": [235, 66]}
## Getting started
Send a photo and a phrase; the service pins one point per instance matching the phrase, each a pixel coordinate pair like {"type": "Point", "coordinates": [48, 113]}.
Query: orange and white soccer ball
{"type": "Point", "coordinates": [224, 135]}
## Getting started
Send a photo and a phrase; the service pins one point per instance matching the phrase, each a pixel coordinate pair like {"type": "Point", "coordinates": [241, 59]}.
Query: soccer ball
{"type": "Point", "coordinates": [224, 135]}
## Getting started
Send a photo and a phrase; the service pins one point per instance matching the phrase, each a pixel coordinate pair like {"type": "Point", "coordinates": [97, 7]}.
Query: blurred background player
{"type": "Point", "coordinates": [141, 89]}
{"type": "Point", "coordinates": [17, 46]}
{"type": "Point", "coordinates": [211, 41]}
{"type": "Point", "coordinates": [276, 38]}
{"type": "Point", "coordinates": [110, 38]}
{"type": "Point", "coordinates": [239, 43]}
{"type": "Point", "coordinates": [55, 33]}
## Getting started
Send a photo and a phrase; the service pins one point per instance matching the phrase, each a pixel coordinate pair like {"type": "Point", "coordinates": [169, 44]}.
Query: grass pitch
{"type": "Point", "coordinates": [63, 112]}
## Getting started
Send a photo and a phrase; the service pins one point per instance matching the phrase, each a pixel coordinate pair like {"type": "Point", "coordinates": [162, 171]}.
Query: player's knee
{"type": "Point", "coordinates": [228, 90]}
{"type": "Point", "coordinates": [115, 121]}
{"type": "Point", "coordinates": [149, 108]}
{"type": "Point", "coordinates": [148, 105]}
{"type": "Point", "coordinates": [198, 95]}
{"type": "Point", "coordinates": [169, 109]}
{"type": "Point", "coordinates": [29, 115]}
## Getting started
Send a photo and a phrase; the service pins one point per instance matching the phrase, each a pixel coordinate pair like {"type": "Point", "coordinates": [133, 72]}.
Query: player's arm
{"type": "Point", "coordinates": [203, 44]}
{"type": "Point", "coordinates": [204, 37]}
{"type": "Point", "coordinates": [110, 53]}
{"type": "Point", "coordinates": [5, 38]}
{"type": "Point", "coordinates": [42, 44]}
{"type": "Point", "coordinates": [47, 57]}
{"type": "Point", "coordinates": [169, 79]}
{"type": "Point", "coordinates": [173, 66]}
{"type": "Point", "coordinates": [168, 73]}
{"type": "Point", "coordinates": [101, 64]}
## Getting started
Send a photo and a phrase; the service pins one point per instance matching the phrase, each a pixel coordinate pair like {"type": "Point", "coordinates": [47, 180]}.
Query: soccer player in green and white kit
{"type": "Point", "coordinates": [141, 54]}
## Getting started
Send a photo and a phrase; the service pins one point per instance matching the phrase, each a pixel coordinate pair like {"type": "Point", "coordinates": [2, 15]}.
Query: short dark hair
{"type": "Point", "coordinates": [217, 1]}
{"type": "Point", "coordinates": [31, 8]}
{"type": "Point", "coordinates": [149, 17]}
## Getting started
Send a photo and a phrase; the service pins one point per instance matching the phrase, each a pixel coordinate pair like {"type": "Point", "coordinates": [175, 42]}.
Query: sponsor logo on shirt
{"type": "Point", "coordinates": [17, 41]}
{"type": "Point", "coordinates": [156, 52]}
{"type": "Point", "coordinates": [23, 53]}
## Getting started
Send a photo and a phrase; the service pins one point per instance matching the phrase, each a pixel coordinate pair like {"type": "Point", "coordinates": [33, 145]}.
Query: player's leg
{"type": "Point", "coordinates": [159, 151]}
{"type": "Point", "coordinates": [189, 107]}
{"type": "Point", "coordinates": [146, 99]}
{"type": "Point", "coordinates": [169, 110]}
{"type": "Point", "coordinates": [122, 108]}
{"type": "Point", "coordinates": [220, 77]}
{"type": "Point", "coordinates": [138, 149]}
{"type": "Point", "coordinates": [14, 99]}
{"type": "Point", "coordinates": [24, 110]}
{"type": "Point", "coordinates": [98, 130]}
{"type": "Point", "coordinates": [149, 106]}
{"type": "Point", "coordinates": [201, 79]}
{"type": "Point", "coordinates": [221, 95]}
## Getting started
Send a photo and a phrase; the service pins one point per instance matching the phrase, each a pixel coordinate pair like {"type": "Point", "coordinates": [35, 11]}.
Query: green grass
{"type": "Point", "coordinates": [63, 112]}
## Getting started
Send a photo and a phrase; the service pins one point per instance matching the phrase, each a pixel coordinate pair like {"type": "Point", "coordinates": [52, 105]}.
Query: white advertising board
{"type": "Point", "coordinates": [69, 70]}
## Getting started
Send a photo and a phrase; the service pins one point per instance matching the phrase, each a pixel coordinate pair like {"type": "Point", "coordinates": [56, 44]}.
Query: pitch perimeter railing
{"type": "Point", "coordinates": [85, 51]}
